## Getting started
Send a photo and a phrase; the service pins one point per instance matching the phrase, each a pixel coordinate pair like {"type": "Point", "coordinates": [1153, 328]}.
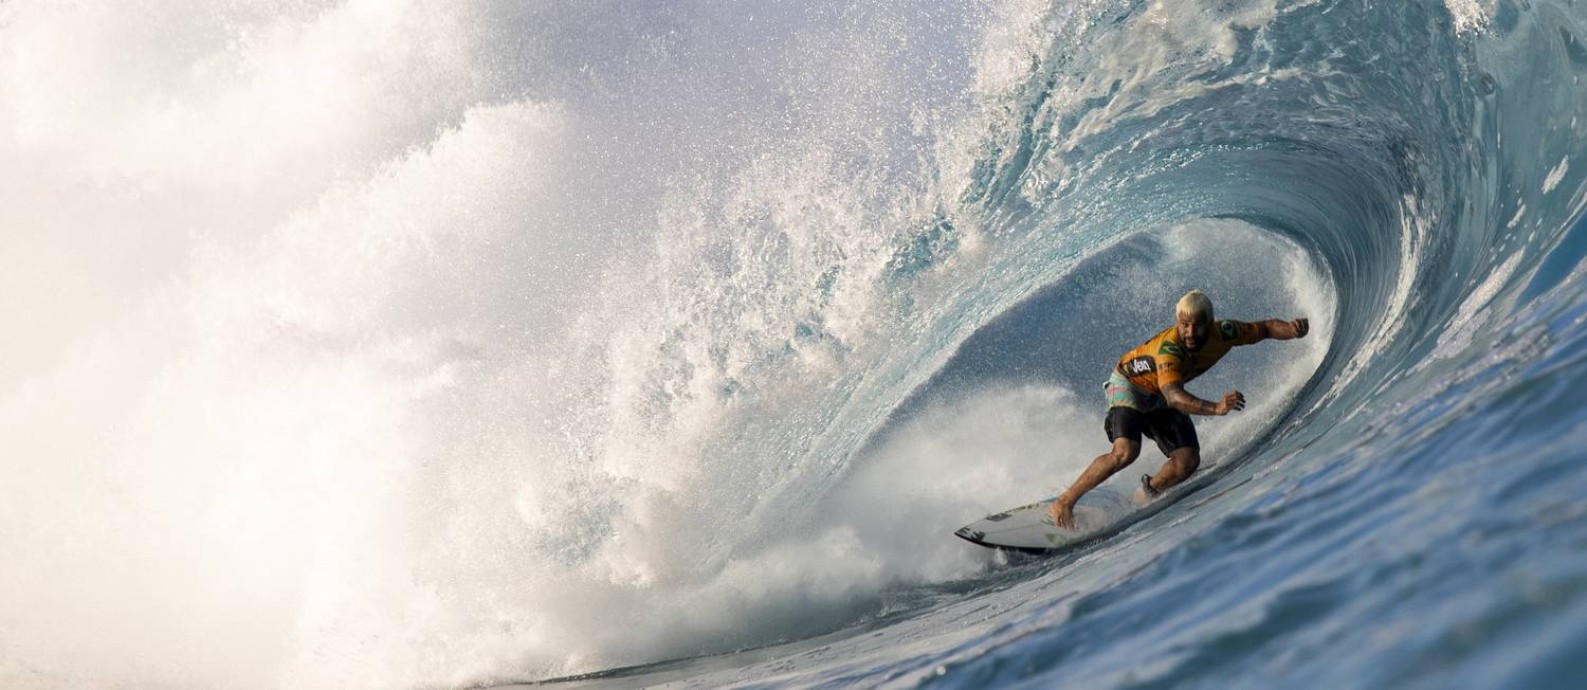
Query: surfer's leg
{"type": "Point", "coordinates": [1105, 465]}
{"type": "Point", "coordinates": [1124, 426]}
{"type": "Point", "coordinates": [1175, 435]}
{"type": "Point", "coordinates": [1181, 464]}
{"type": "Point", "coordinates": [1124, 452]}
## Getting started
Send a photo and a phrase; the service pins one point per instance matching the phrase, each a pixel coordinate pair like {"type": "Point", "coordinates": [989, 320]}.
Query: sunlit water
{"type": "Point", "coordinates": [431, 344]}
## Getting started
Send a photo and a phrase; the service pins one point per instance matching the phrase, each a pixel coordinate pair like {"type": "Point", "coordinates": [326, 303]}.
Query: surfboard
{"type": "Point", "coordinates": [1030, 529]}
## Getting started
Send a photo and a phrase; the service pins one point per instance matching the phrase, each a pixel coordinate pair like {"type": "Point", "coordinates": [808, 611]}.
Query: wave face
{"type": "Point", "coordinates": [418, 343]}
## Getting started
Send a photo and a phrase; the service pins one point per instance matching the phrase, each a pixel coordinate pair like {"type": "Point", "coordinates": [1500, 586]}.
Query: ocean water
{"type": "Point", "coordinates": [466, 343]}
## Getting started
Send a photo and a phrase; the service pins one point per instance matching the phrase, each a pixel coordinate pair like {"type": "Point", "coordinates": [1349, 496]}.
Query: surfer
{"type": "Point", "coordinates": [1146, 395]}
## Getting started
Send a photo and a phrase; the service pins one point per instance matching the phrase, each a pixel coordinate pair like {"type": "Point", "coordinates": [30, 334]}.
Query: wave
{"type": "Point", "coordinates": [447, 343]}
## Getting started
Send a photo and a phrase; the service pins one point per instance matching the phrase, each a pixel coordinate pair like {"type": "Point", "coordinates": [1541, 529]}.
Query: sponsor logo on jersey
{"type": "Point", "coordinates": [1227, 328]}
{"type": "Point", "coordinates": [1140, 365]}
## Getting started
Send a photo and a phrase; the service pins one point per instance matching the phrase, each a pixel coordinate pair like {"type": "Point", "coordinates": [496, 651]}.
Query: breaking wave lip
{"type": "Point", "coordinates": [1375, 191]}
{"type": "Point", "coordinates": [448, 398]}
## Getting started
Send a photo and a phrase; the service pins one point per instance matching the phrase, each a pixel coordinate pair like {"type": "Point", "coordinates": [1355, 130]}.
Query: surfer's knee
{"type": "Point", "coordinates": [1123, 454]}
{"type": "Point", "coordinates": [1188, 459]}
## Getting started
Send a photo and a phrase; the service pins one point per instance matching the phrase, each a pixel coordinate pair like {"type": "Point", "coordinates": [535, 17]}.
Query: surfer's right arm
{"type": "Point", "coordinates": [1181, 399]}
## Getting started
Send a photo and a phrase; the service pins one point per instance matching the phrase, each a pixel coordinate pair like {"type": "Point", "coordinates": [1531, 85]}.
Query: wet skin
{"type": "Point", "coordinates": [1193, 332]}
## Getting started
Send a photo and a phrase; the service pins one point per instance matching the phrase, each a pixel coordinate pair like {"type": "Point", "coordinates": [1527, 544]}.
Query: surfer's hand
{"type": "Point", "coordinates": [1301, 326]}
{"type": "Point", "coordinates": [1232, 400]}
{"type": "Point", "coordinates": [1063, 514]}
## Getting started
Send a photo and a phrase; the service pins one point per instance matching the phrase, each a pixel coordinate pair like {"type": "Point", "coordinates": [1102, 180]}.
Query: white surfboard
{"type": "Point", "coordinates": [1030, 528]}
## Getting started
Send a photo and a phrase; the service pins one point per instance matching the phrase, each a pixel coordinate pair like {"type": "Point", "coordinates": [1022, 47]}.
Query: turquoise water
{"type": "Point", "coordinates": [459, 344]}
{"type": "Point", "coordinates": [1413, 518]}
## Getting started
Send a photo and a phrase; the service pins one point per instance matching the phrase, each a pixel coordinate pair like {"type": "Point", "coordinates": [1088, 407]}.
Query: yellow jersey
{"type": "Point", "coordinates": [1163, 360]}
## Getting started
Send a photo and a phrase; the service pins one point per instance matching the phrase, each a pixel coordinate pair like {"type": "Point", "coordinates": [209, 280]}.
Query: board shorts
{"type": "Point", "coordinates": [1133, 412]}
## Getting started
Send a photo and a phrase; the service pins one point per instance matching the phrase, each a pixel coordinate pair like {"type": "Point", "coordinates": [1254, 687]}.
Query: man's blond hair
{"type": "Point", "coordinates": [1194, 304]}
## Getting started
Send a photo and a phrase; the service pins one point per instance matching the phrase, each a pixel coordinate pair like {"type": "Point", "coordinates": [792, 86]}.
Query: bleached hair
{"type": "Point", "coordinates": [1195, 303]}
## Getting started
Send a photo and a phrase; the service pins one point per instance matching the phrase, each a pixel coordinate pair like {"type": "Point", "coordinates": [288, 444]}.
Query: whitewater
{"type": "Point", "coordinates": [477, 343]}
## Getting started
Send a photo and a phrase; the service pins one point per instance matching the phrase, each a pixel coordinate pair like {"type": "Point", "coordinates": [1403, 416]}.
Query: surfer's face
{"type": "Point", "coordinates": [1193, 330]}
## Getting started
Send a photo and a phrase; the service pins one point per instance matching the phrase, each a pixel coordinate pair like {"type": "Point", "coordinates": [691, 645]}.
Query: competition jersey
{"type": "Point", "coordinates": [1162, 360]}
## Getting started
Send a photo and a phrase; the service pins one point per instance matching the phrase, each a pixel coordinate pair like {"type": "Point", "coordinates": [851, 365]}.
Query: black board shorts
{"type": "Point", "coordinates": [1170, 428]}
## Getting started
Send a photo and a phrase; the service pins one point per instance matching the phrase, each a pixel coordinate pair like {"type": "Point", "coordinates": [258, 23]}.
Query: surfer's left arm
{"type": "Point", "coordinates": [1283, 330]}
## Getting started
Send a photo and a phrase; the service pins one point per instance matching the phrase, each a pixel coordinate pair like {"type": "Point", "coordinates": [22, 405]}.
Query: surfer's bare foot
{"type": "Point", "coordinates": [1145, 493]}
{"type": "Point", "coordinates": [1063, 514]}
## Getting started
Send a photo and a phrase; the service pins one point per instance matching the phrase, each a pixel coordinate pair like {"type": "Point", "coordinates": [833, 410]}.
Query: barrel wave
{"type": "Point", "coordinates": [465, 344]}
